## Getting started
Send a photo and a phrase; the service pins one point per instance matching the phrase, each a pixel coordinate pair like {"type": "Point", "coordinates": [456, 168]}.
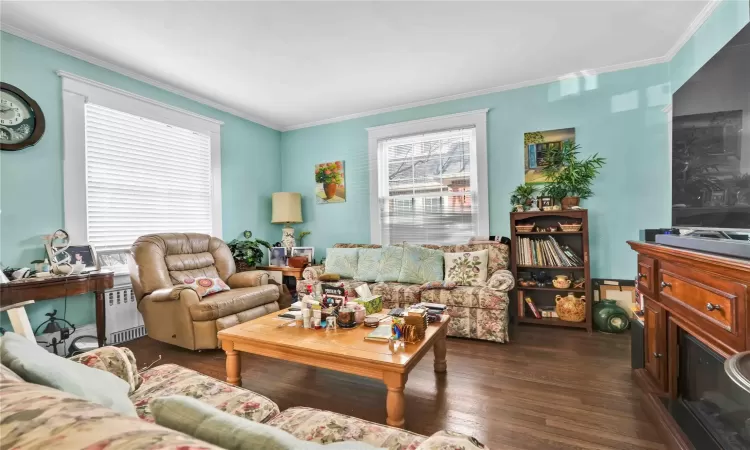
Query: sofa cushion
{"type": "Point", "coordinates": [420, 265]}
{"type": "Point", "coordinates": [233, 301]}
{"type": "Point", "coordinates": [497, 258]}
{"type": "Point", "coordinates": [450, 440]}
{"type": "Point", "coordinates": [170, 379]}
{"type": "Point", "coordinates": [342, 261]}
{"type": "Point", "coordinates": [368, 263]}
{"type": "Point", "coordinates": [38, 417]}
{"type": "Point", "coordinates": [466, 268]}
{"type": "Point", "coordinates": [36, 365]}
{"type": "Point", "coordinates": [478, 323]}
{"type": "Point", "coordinates": [325, 427]}
{"type": "Point", "coordinates": [195, 418]}
{"type": "Point", "coordinates": [397, 294]}
{"type": "Point", "coordinates": [119, 361]}
{"type": "Point", "coordinates": [390, 264]}
{"type": "Point", "coordinates": [469, 296]}
{"type": "Point", "coordinates": [206, 286]}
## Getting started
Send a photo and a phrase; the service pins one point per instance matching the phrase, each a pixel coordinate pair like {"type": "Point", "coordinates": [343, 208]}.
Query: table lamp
{"type": "Point", "coordinates": [286, 209]}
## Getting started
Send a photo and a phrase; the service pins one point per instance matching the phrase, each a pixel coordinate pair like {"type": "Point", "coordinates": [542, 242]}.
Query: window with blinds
{"type": "Point", "coordinates": [427, 193]}
{"type": "Point", "coordinates": [143, 176]}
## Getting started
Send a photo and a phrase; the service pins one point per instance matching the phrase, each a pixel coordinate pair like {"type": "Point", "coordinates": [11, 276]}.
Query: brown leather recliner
{"type": "Point", "coordinates": [174, 312]}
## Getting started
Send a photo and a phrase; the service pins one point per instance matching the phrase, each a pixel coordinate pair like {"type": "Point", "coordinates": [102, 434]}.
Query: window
{"type": "Point", "coordinates": [429, 180]}
{"type": "Point", "coordinates": [133, 167]}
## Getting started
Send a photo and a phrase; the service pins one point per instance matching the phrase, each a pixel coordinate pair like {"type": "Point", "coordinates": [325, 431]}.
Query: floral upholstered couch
{"type": "Point", "coordinates": [35, 417]}
{"type": "Point", "coordinates": [479, 312]}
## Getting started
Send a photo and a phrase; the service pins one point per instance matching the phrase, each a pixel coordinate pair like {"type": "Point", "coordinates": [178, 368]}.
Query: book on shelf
{"type": "Point", "coordinates": [547, 312]}
{"type": "Point", "coordinates": [545, 251]}
{"type": "Point", "coordinates": [533, 307]}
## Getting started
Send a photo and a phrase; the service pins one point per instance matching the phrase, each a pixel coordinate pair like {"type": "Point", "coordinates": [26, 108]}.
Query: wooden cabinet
{"type": "Point", "coordinates": [656, 342]}
{"type": "Point", "coordinates": [646, 275]}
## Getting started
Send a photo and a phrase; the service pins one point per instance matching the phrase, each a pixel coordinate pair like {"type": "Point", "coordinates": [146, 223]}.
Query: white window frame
{"type": "Point", "coordinates": [76, 92]}
{"type": "Point", "coordinates": [476, 119]}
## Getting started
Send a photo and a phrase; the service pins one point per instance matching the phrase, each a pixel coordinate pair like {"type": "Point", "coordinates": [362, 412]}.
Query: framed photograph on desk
{"type": "Point", "coordinates": [277, 256]}
{"type": "Point", "coordinates": [308, 252]}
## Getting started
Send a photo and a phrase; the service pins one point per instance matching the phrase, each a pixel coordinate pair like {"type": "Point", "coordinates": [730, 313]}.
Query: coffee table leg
{"type": "Point", "coordinates": [233, 363]}
{"type": "Point", "coordinates": [394, 402]}
{"type": "Point", "coordinates": [439, 348]}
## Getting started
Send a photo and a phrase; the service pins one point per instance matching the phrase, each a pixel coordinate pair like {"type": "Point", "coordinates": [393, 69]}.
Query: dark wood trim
{"type": "Point", "coordinates": [39, 121]}
{"type": "Point", "coordinates": [646, 382]}
{"type": "Point", "coordinates": [707, 262]}
{"type": "Point", "coordinates": [667, 428]}
{"type": "Point", "coordinates": [50, 288]}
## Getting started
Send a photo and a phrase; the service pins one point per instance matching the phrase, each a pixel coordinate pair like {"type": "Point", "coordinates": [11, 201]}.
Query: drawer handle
{"type": "Point", "coordinates": [657, 355]}
{"type": "Point", "coordinates": [711, 307]}
{"type": "Point", "coordinates": [665, 285]}
{"type": "Point", "coordinates": [641, 275]}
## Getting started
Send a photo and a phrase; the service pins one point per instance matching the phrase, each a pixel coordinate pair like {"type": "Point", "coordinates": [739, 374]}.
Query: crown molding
{"type": "Point", "coordinates": [699, 20]}
{"type": "Point", "coordinates": [131, 74]}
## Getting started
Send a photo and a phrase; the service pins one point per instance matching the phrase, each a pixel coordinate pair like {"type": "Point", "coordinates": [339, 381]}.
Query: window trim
{"type": "Point", "coordinates": [76, 92]}
{"type": "Point", "coordinates": [476, 119]}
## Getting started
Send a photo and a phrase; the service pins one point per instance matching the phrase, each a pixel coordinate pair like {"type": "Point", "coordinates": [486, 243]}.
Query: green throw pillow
{"type": "Point", "coordinates": [420, 265]}
{"type": "Point", "coordinates": [342, 261]}
{"type": "Point", "coordinates": [201, 421]}
{"type": "Point", "coordinates": [368, 263]}
{"type": "Point", "coordinates": [36, 365]}
{"type": "Point", "coordinates": [390, 264]}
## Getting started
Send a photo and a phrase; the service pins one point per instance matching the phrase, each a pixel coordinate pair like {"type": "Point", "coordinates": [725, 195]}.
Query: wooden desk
{"type": "Point", "coordinates": [16, 294]}
{"type": "Point", "coordinates": [343, 350]}
{"type": "Point", "coordinates": [285, 271]}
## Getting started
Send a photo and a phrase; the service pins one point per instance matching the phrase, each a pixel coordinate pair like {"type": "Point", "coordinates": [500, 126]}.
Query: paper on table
{"type": "Point", "coordinates": [364, 291]}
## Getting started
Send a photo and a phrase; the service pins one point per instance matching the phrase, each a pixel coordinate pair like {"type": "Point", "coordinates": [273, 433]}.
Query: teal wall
{"type": "Point", "coordinates": [727, 19]}
{"type": "Point", "coordinates": [31, 180]}
{"type": "Point", "coordinates": [619, 115]}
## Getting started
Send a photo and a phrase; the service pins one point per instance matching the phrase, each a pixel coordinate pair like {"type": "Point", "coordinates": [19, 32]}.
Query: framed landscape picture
{"type": "Point", "coordinates": [308, 252]}
{"type": "Point", "coordinates": [329, 182]}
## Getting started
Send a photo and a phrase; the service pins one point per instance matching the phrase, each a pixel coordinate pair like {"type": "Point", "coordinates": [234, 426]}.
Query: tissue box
{"type": "Point", "coordinates": [372, 305]}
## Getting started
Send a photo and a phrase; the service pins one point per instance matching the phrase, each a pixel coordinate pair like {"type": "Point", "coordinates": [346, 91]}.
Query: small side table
{"type": "Point", "coordinates": [284, 271]}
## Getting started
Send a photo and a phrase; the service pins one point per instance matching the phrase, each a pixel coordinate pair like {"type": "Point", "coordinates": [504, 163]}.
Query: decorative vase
{"type": "Point", "coordinates": [561, 282]}
{"type": "Point", "coordinates": [571, 308]}
{"type": "Point", "coordinates": [610, 318]}
{"type": "Point", "coordinates": [569, 202]}
{"type": "Point", "coordinates": [330, 190]}
{"type": "Point", "coordinates": [287, 238]}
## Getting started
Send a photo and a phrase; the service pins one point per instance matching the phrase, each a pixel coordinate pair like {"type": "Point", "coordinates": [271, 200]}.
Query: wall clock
{"type": "Point", "coordinates": [21, 119]}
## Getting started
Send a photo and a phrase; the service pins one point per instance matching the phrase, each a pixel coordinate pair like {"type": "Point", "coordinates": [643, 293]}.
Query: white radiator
{"type": "Point", "coordinates": [123, 320]}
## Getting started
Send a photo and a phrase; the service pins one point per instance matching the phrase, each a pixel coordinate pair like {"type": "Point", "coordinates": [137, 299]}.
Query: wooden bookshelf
{"type": "Point", "coordinates": [578, 241]}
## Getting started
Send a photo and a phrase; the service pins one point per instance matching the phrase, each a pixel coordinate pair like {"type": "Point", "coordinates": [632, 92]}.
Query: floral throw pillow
{"type": "Point", "coordinates": [342, 261]}
{"type": "Point", "coordinates": [420, 265]}
{"type": "Point", "coordinates": [205, 286]}
{"type": "Point", "coordinates": [467, 268]}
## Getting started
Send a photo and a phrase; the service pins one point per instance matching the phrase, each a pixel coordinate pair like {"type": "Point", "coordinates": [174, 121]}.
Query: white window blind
{"type": "Point", "coordinates": [142, 177]}
{"type": "Point", "coordinates": [427, 188]}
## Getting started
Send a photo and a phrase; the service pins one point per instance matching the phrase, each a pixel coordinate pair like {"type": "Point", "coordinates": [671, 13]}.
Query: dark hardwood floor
{"type": "Point", "coordinates": [550, 388]}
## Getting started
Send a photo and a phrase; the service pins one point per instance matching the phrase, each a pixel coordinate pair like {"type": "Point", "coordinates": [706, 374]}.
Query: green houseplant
{"type": "Point", "coordinates": [522, 195]}
{"type": "Point", "coordinates": [571, 177]}
{"type": "Point", "coordinates": [247, 252]}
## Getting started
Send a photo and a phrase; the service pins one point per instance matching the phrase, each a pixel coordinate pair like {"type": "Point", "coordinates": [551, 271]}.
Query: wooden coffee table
{"type": "Point", "coordinates": [341, 350]}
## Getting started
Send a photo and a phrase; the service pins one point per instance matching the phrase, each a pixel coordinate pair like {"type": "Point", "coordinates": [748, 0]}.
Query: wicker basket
{"type": "Point", "coordinates": [243, 266]}
{"type": "Point", "coordinates": [525, 228]}
{"type": "Point", "coordinates": [570, 226]}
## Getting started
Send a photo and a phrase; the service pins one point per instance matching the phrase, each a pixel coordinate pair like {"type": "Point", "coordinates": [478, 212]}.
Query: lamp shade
{"type": "Point", "coordinates": [287, 207]}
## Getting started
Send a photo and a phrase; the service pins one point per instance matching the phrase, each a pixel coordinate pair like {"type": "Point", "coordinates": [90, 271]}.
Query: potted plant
{"type": "Point", "coordinates": [247, 252]}
{"type": "Point", "coordinates": [330, 176]}
{"type": "Point", "coordinates": [570, 176]}
{"type": "Point", "coordinates": [302, 234]}
{"type": "Point", "coordinates": [556, 191]}
{"type": "Point", "coordinates": [522, 195]}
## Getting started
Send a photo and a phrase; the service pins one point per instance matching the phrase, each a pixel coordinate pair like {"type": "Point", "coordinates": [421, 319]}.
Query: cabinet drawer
{"type": "Point", "coordinates": [717, 305]}
{"type": "Point", "coordinates": [646, 275]}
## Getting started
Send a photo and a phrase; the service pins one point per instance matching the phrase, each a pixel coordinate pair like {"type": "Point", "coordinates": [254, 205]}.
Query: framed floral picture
{"type": "Point", "coordinates": [329, 182]}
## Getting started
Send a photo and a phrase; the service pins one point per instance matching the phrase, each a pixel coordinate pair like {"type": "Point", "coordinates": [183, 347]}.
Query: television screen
{"type": "Point", "coordinates": [711, 142]}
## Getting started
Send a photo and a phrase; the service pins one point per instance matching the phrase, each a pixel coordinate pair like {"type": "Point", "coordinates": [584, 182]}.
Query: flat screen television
{"type": "Point", "coordinates": [711, 142]}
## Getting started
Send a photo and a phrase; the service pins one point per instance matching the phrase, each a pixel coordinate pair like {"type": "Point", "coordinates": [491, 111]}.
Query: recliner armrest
{"type": "Point", "coordinates": [168, 294]}
{"type": "Point", "coordinates": [251, 278]}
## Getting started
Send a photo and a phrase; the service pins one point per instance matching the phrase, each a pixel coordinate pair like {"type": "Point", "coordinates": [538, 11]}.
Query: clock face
{"type": "Point", "coordinates": [21, 119]}
{"type": "Point", "coordinates": [16, 118]}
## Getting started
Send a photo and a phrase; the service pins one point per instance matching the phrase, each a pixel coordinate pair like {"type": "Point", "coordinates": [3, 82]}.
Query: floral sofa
{"type": "Point", "coordinates": [34, 416]}
{"type": "Point", "coordinates": [479, 312]}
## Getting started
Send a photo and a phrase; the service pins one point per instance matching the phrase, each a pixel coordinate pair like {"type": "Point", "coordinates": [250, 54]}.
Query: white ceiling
{"type": "Point", "coordinates": [294, 63]}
